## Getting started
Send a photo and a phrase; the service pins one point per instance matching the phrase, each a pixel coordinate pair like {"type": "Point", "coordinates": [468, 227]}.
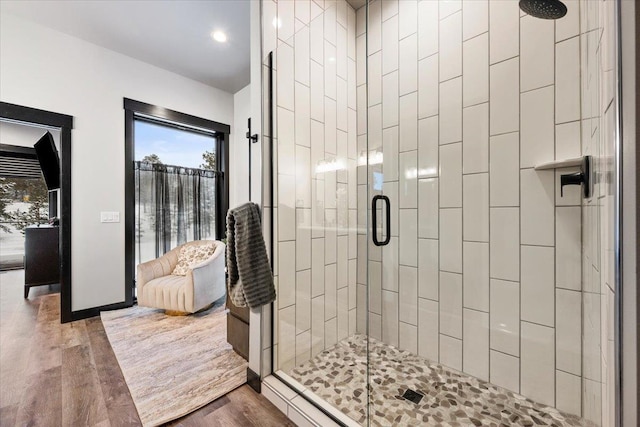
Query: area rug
{"type": "Point", "coordinates": [173, 365]}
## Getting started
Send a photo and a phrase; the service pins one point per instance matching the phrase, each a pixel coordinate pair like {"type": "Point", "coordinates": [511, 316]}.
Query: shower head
{"type": "Point", "coordinates": [544, 9]}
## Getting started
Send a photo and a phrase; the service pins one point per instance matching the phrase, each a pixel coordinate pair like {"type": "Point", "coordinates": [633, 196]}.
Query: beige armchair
{"type": "Point", "coordinates": [203, 284]}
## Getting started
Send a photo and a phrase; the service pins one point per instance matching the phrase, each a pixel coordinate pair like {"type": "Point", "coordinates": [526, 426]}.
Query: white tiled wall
{"type": "Point", "coordinates": [493, 93]}
{"type": "Point", "coordinates": [489, 270]}
{"type": "Point", "coordinates": [315, 138]}
{"type": "Point", "coordinates": [597, 44]}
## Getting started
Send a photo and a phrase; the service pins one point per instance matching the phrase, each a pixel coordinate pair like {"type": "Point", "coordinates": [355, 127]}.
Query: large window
{"type": "Point", "coordinates": [176, 185]}
{"type": "Point", "coordinates": [176, 174]}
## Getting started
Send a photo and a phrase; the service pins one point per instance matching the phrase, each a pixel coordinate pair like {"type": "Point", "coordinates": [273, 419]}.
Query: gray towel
{"type": "Point", "coordinates": [250, 280]}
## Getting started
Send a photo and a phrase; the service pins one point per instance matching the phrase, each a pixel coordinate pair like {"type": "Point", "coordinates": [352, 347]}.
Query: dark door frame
{"type": "Point", "coordinates": [34, 116]}
{"type": "Point", "coordinates": [149, 112]}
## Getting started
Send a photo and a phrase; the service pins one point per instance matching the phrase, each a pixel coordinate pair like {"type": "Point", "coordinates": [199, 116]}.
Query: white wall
{"type": "Point", "coordinates": [49, 70]}
{"type": "Point", "coordinates": [239, 150]}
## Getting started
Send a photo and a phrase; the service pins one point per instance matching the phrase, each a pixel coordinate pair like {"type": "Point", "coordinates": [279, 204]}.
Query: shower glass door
{"type": "Point", "coordinates": [486, 281]}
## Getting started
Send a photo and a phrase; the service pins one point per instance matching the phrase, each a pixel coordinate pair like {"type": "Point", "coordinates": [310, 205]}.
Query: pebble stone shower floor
{"type": "Point", "coordinates": [338, 375]}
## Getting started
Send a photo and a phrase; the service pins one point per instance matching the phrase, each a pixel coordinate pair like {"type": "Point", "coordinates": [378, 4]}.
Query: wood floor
{"type": "Point", "coordinates": [67, 375]}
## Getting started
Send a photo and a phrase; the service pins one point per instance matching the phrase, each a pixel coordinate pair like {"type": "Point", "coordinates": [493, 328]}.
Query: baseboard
{"type": "Point", "coordinates": [95, 311]}
{"type": "Point", "coordinates": [254, 381]}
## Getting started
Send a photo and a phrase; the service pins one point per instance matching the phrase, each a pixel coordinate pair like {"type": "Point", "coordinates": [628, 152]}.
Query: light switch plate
{"type": "Point", "coordinates": [109, 217]}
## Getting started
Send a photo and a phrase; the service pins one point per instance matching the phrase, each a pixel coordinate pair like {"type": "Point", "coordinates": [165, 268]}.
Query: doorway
{"type": "Point", "coordinates": [62, 124]}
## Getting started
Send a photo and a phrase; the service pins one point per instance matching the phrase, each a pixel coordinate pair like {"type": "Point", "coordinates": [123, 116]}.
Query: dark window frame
{"type": "Point", "coordinates": [136, 110]}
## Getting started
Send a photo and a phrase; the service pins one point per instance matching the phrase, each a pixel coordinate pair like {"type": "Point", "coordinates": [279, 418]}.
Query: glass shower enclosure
{"type": "Point", "coordinates": [437, 256]}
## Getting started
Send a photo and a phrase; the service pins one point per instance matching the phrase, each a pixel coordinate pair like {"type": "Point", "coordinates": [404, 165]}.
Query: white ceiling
{"type": "Point", "coordinates": [174, 35]}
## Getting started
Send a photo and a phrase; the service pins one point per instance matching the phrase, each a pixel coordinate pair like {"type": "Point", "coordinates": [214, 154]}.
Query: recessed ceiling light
{"type": "Point", "coordinates": [277, 22]}
{"type": "Point", "coordinates": [219, 36]}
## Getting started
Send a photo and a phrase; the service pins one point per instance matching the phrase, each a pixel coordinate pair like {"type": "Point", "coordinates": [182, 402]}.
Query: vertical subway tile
{"type": "Point", "coordinates": [428, 147]}
{"type": "Point", "coordinates": [451, 46]}
{"type": "Point", "coordinates": [317, 92]}
{"type": "Point", "coordinates": [568, 331]}
{"type": "Point", "coordinates": [475, 357]}
{"type": "Point", "coordinates": [408, 339]}
{"type": "Point", "coordinates": [287, 274]}
{"type": "Point", "coordinates": [475, 18]}
{"type": "Point", "coordinates": [505, 317]}
{"type": "Point", "coordinates": [390, 265]}
{"type": "Point", "coordinates": [504, 173]}
{"type": "Point", "coordinates": [428, 86]}
{"type": "Point", "coordinates": [374, 27]}
{"type": "Point", "coordinates": [537, 285]}
{"type": "Point", "coordinates": [504, 21]}
{"type": "Point", "coordinates": [450, 113]}
{"type": "Point", "coordinates": [374, 83]}
{"type": "Point", "coordinates": [408, 64]}
{"type": "Point", "coordinates": [316, 40]}
{"type": "Point", "coordinates": [408, 122]}
{"type": "Point", "coordinates": [448, 7]}
{"type": "Point", "coordinates": [475, 135]}
{"type": "Point", "coordinates": [390, 100]}
{"type": "Point", "coordinates": [303, 301]}
{"type": "Point", "coordinates": [451, 175]}
{"type": "Point", "coordinates": [408, 12]}
{"type": "Point", "coordinates": [390, 317]}
{"type": "Point", "coordinates": [408, 189]}
{"type": "Point", "coordinates": [451, 352]}
{"type": "Point", "coordinates": [428, 329]}
{"type": "Point", "coordinates": [537, 210]}
{"type": "Point", "coordinates": [568, 247]}
{"type": "Point", "coordinates": [317, 267]}
{"type": "Point", "coordinates": [427, 28]}
{"type": "Point", "coordinates": [428, 208]}
{"type": "Point", "coordinates": [568, 140]}
{"type": "Point", "coordinates": [389, 10]}
{"type": "Point", "coordinates": [569, 25]}
{"type": "Point", "coordinates": [408, 294]}
{"type": "Point", "coordinates": [537, 128]}
{"type": "Point", "coordinates": [303, 239]}
{"type": "Point", "coordinates": [505, 371]}
{"type": "Point", "coordinates": [330, 291]}
{"type": "Point", "coordinates": [475, 80]}
{"type": "Point", "coordinates": [504, 94]}
{"type": "Point", "coordinates": [317, 325]}
{"type": "Point", "coordinates": [343, 314]}
{"type": "Point", "coordinates": [301, 53]}
{"type": "Point", "coordinates": [450, 240]}
{"type": "Point", "coordinates": [408, 237]}
{"type": "Point", "coordinates": [390, 45]}
{"type": "Point", "coordinates": [537, 373]}
{"type": "Point", "coordinates": [390, 152]}
{"type": "Point", "coordinates": [428, 275]}
{"type": "Point", "coordinates": [285, 77]}
{"type": "Point", "coordinates": [476, 207]}
{"type": "Point", "coordinates": [568, 80]}
{"type": "Point", "coordinates": [568, 393]}
{"type": "Point", "coordinates": [476, 275]}
{"type": "Point", "coordinates": [536, 52]}
{"type": "Point", "coordinates": [504, 238]}
{"type": "Point", "coordinates": [330, 70]}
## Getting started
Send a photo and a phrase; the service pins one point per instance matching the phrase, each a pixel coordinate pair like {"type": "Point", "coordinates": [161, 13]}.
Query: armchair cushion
{"type": "Point", "coordinates": [192, 255]}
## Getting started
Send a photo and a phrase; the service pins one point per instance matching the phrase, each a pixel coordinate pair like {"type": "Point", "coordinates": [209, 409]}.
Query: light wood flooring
{"type": "Point", "coordinates": [67, 375]}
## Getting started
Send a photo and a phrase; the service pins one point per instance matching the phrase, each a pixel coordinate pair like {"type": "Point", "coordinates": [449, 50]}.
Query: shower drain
{"type": "Point", "coordinates": [413, 396]}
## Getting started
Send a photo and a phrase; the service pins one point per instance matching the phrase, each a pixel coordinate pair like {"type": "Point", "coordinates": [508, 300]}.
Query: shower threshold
{"type": "Point", "coordinates": [338, 375]}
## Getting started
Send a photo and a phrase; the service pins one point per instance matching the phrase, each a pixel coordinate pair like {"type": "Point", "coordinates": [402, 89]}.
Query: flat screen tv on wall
{"type": "Point", "coordinates": [49, 161]}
